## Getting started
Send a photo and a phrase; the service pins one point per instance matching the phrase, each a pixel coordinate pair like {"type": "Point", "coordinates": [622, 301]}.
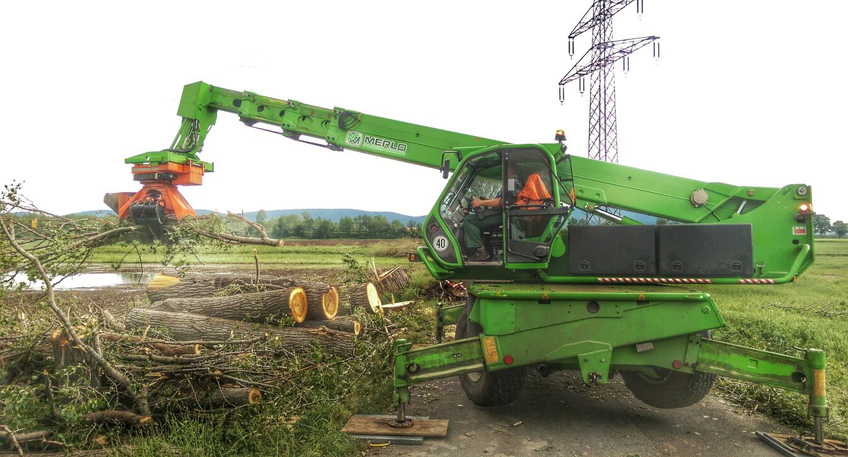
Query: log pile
{"type": "Point", "coordinates": [218, 307]}
{"type": "Point", "coordinates": [190, 345]}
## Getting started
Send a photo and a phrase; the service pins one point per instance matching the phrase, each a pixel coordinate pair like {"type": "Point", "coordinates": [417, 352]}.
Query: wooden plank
{"type": "Point", "coordinates": [365, 425]}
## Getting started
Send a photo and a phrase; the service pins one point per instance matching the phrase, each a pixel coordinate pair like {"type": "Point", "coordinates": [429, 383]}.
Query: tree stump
{"type": "Point", "coordinates": [65, 355]}
{"type": "Point", "coordinates": [391, 282]}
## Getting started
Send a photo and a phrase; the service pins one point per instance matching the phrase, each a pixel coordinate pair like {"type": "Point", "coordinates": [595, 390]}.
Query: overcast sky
{"type": "Point", "coordinates": [749, 93]}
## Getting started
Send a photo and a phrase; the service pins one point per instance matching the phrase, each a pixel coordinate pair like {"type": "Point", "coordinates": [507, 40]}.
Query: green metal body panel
{"type": "Point", "coordinates": [445, 316]}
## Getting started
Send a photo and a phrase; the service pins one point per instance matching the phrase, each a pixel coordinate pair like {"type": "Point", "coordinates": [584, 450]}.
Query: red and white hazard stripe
{"type": "Point", "coordinates": [756, 281]}
{"type": "Point", "coordinates": [655, 280]}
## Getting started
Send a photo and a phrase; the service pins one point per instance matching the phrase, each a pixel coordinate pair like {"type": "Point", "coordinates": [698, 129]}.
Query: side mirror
{"type": "Point", "coordinates": [445, 168]}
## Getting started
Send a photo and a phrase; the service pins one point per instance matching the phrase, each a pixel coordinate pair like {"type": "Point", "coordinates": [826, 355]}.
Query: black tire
{"type": "Point", "coordinates": [673, 389]}
{"type": "Point", "coordinates": [488, 388]}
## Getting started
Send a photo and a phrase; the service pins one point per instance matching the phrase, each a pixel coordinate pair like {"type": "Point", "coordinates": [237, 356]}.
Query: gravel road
{"type": "Point", "coordinates": [560, 416]}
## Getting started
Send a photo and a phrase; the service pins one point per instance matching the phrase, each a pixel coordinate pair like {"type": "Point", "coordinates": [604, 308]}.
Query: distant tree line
{"type": "Point", "coordinates": [363, 226]}
{"type": "Point", "coordinates": [822, 226]}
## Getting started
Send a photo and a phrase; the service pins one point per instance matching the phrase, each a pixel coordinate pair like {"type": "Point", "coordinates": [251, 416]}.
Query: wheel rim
{"type": "Point", "coordinates": [664, 375]}
{"type": "Point", "coordinates": [475, 376]}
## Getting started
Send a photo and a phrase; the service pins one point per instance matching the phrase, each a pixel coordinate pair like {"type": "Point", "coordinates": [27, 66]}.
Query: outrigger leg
{"type": "Point", "coordinates": [803, 375]}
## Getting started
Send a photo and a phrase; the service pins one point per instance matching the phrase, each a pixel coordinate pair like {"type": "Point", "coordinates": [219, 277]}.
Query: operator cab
{"type": "Point", "coordinates": [500, 207]}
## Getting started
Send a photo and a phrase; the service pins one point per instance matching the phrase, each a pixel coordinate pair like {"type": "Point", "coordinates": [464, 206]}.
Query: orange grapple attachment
{"type": "Point", "coordinates": [158, 202]}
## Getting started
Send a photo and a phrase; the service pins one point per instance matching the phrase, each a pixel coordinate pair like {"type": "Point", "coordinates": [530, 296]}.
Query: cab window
{"type": "Point", "coordinates": [476, 230]}
{"type": "Point", "coordinates": [533, 218]}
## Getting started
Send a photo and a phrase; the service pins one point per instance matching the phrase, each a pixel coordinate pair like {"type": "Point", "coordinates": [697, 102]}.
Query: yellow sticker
{"type": "Point", "coordinates": [490, 349]}
{"type": "Point", "coordinates": [819, 386]}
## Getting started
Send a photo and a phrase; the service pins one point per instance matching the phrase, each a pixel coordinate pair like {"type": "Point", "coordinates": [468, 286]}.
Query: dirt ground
{"type": "Point", "coordinates": [559, 416]}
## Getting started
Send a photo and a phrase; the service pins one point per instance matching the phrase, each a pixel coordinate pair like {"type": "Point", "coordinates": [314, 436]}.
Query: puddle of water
{"type": "Point", "coordinates": [90, 280]}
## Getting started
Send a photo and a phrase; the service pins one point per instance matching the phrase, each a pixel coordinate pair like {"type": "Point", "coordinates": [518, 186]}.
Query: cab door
{"type": "Point", "coordinates": [533, 216]}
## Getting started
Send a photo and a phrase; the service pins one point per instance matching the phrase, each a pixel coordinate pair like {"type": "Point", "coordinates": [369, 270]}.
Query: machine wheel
{"type": "Point", "coordinates": [488, 388]}
{"type": "Point", "coordinates": [672, 390]}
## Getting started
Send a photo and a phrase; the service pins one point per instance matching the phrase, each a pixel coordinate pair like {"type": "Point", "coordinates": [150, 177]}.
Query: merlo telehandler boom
{"type": "Point", "coordinates": [592, 298]}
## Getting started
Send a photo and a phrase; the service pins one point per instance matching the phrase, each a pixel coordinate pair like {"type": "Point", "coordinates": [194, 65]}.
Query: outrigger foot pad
{"type": "Point", "coordinates": [402, 421]}
{"type": "Point", "coordinates": [406, 423]}
{"type": "Point", "coordinates": [797, 446]}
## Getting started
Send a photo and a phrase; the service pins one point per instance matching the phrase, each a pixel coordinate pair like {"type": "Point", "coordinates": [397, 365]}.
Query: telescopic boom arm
{"type": "Point", "coordinates": [336, 129]}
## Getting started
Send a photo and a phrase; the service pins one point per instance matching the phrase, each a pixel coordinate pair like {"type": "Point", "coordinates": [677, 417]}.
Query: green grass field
{"type": "Point", "coordinates": [810, 313]}
{"type": "Point", "coordinates": [294, 253]}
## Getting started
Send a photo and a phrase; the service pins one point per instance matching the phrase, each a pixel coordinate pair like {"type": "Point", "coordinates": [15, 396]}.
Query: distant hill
{"type": "Point", "coordinates": [95, 213]}
{"type": "Point", "coordinates": [331, 214]}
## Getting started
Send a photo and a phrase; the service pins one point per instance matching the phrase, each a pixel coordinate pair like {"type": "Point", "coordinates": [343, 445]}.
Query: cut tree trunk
{"type": "Point", "coordinates": [363, 296]}
{"type": "Point", "coordinates": [220, 397]}
{"type": "Point", "coordinates": [256, 307]}
{"type": "Point", "coordinates": [190, 327]}
{"type": "Point", "coordinates": [323, 301]}
{"type": "Point", "coordinates": [343, 324]}
{"type": "Point", "coordinates": [392, 281]}
{"type": "Point", "coordinates": [126, 417]}
{"type": "Point", "coordinates": [234, 397]}
{"type": "Point", "coordinates": [163, 287]}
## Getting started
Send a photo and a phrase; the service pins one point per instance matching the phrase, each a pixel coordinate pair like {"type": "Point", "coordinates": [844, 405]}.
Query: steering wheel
{"type": "Point", "coordinates": [468, 208]}
{"type": "Point", "coordinates": [466, 202]}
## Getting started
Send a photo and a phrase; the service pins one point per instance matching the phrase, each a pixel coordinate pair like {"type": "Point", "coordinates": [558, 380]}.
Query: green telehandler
{"type": "Point", "coordinates": [543, 294]}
